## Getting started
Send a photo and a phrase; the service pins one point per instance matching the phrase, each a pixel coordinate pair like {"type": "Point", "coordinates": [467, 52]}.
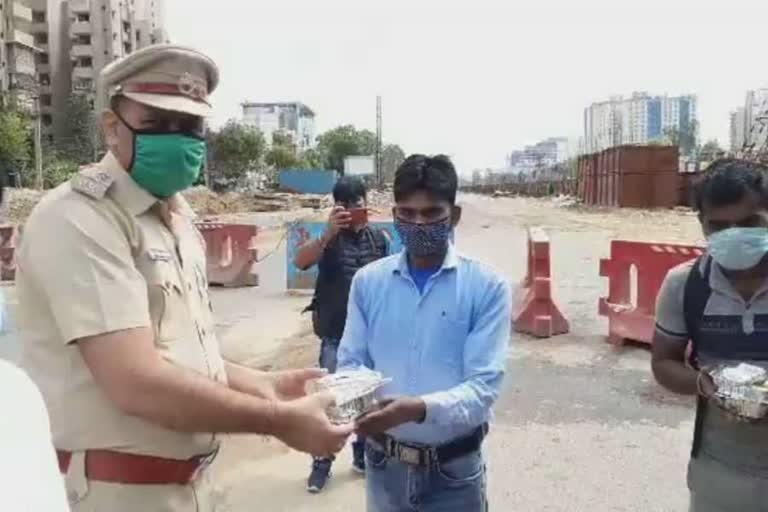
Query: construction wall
{"type": "Point", "coordinates": [631, 177]}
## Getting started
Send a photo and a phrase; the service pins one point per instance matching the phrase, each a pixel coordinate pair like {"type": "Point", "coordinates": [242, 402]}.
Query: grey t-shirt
{"type": "Point", "coordinates": [741, 445]}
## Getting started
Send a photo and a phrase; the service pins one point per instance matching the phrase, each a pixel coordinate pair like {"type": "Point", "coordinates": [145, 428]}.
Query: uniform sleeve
{"type": "Point", "coordinates": [80, 262]}
{"type": "Point", "coordinates": [670, 317]}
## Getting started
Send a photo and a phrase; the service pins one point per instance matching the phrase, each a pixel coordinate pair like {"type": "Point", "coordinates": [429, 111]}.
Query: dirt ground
{"type": "Point", "coordinates": [580, 425]}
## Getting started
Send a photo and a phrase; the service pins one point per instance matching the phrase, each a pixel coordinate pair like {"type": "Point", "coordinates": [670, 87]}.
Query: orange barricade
{"type": "Point", "coordinates": [7, 253]}
{"type": "Point", "coordinates": [537, 314]}
{"type": "Point", "coordinates": [231, 253]}
{"type": "Point", "coordinates": [631, 318]}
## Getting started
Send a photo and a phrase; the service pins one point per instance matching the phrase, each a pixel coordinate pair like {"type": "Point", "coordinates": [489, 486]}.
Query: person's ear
{"type": "Point", "coordinates": [109, 126]}
{"type": "Point", "coordinates": [455, 215]}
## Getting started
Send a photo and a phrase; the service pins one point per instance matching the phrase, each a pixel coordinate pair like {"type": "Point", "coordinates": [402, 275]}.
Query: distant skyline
{"type": "Point", "coordinates": [476, 80]}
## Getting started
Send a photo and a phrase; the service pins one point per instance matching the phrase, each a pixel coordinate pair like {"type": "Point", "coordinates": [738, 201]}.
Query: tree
{"type": "Point", "coordinates": [283, 157]}
{"type": "Point", "coordinates": [15, 142]}
{"type": "Point", "coordinates": [685, 138]}
{"type": "Point", "coordinates": [312, 159]}
{"type": "Point", "coordinates": [337, 144]}
{"type": "Point", "coordinates": [234, 151]}
{"type": "Point", "coordinates": [79, 140]}
{"type": "Point", "coordinates": [391, 157]}
{"type": "Point", "coordinates": [710, 151]}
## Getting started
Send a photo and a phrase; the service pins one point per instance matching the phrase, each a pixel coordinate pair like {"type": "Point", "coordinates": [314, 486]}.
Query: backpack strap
{"type": "Point", "coordinates": [695, 297]}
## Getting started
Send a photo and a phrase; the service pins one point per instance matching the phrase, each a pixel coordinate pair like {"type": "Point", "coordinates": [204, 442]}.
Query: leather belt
{"type": "Point", "coordinates": [129, 468]}
{"type": "Point", "coordinates": [426, 456]}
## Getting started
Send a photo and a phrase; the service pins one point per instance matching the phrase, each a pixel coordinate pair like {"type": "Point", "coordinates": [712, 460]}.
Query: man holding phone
{"type": "Point", "coordinates": [347, 245]}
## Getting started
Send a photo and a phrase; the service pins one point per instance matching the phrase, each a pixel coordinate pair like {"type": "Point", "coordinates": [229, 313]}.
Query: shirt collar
{"type": "Point", "coordinates": [450, 262]}
{"type": "Point", "coordinates": [126, 192]}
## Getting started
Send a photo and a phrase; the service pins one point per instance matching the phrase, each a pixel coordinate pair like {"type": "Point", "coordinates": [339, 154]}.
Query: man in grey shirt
{"type": "Point", "coordinates": [720, 303]}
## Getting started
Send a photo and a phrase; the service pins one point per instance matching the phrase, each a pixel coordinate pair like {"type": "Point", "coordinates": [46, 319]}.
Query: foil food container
{"type": "Point", "coordinates": [355, 393]}
{"type": "Point", "coordinates": [742, 389]}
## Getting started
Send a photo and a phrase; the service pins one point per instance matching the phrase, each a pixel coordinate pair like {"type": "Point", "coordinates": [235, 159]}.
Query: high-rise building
{"type": "Point", "coordinates": [294, 120]}
{"type": "Point", "coordinates": [104, 30]}
{"type": "Point", "coordinates": [738, 129]}
{"type": "Point", "coordinates": [17, 53]}
{"type": "Point", "coordinates": [542, 155]}
{"type": "Point", "coordinates": [756, 118]}
{"type": "Point", "coordinates": [640, 119]}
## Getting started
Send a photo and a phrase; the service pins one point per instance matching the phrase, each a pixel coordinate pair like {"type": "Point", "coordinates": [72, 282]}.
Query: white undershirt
{"type": "Point", "coordinates": [29, 473]}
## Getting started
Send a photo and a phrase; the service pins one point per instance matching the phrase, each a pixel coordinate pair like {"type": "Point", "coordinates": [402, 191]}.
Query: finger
{"type": "Point", "coordinates": [325, 399]}
{"type": "Point", "coordinates": [310, 373]}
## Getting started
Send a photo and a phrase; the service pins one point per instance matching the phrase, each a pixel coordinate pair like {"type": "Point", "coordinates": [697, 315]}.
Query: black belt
{"type": "Point", "coordinates": [426, 456]}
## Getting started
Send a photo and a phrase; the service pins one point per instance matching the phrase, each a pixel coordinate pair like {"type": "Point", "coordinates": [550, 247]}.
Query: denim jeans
{"type": "Point", "coordinates": [393, 486]}
{"type": "Point", "coordinates": [329, 347]}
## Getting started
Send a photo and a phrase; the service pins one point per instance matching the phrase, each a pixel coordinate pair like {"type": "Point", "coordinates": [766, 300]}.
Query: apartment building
{"type": "Point", "coordinates": [639, 119]}
{"type": "Point", "coordinates": [294, 120]}
{"type": "Point", "coordinates": [738, 133]}
{"type": "Point", "coordinates": [756, 119]}
{"type": "Point", "coordinates": [17, 53]}
{"type": "Point", "coordinates": [104, 30]}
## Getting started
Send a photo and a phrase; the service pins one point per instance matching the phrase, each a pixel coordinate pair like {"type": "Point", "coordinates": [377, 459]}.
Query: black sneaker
{"type": "Point", "coordinates": [321, 473]}
{"type": "Point", "coordinates": [358, 458]}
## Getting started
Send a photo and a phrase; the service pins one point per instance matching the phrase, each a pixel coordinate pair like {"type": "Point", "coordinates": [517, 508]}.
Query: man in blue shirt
{"type": "Point", "coordinates": [436, 323]}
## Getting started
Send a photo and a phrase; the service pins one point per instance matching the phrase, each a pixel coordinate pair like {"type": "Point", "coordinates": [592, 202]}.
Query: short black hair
{"type": "Point", "coordinates": [434, 175]}
{"type": "Point", "coordinates": [349, 189]}
{"type": "Point", "coordinates": [728, 180]}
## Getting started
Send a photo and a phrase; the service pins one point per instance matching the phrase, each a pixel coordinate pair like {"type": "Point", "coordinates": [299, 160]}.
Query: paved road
{"type": "Point", "coordinates": [580, 425]}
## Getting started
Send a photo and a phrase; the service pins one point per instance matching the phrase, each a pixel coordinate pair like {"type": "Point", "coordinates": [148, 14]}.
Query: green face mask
{"type": "Point", "coordinates": [166, 163]}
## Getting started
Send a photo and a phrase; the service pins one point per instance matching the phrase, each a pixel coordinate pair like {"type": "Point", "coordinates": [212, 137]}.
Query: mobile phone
{"type": "Point", "coordinates": [358, 216]}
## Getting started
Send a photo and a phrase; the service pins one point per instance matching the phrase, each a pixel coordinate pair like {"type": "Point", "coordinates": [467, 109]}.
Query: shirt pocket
{"type": "Point", "coordinates": [165, 293]}
{"type": "Point", "coordinates": [446, 346]}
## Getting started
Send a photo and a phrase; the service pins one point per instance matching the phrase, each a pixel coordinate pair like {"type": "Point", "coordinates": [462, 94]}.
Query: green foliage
{"type": "Point", "coordinates": [57, 170]}
{"type": "Point", "coordinates": [710, 151]}
{"type": "Point", "coordinates": [312, 159]}
{"type": "Point", "coordinates": [686, 139]}
{"type": "Point", "coordinates": [16, 132]}
{"type": "Point", "coordinates": [79, 140]}
{"type": "Point", "coordinates": [283, 157]}
{"type": "Point", "coordinates": [391, 157]}
{"type": "Point", "coordinates": [337, 144]}
{"type": "Point", "coordinates": [234, 151]}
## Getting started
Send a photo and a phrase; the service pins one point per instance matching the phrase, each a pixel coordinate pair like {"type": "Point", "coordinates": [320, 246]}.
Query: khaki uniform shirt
{"type": "Point", "coordinates": [98, 255]}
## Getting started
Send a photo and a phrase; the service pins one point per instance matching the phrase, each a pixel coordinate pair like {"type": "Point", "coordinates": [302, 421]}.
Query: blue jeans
{"type": "Point", "coordinates": [393, 486]}
{"type": "Point", "coordinates": [329, 347]}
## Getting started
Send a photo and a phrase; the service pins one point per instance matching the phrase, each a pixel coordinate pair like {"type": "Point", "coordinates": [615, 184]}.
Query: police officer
{"type": "Point", "coordinates": [114, 307]}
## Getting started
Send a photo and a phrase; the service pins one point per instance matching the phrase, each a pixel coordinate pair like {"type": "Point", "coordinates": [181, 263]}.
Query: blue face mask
{"type": "Point", "coordinates": [738, 248]}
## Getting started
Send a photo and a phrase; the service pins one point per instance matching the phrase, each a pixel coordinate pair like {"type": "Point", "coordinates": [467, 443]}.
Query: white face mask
{"type": "Point", "coordinates": [738, 248]}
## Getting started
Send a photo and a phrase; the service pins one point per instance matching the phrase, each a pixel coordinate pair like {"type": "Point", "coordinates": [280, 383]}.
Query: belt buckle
{"type": "Point", "coordinates": [203, 463]}
{"type": "Point", "coordinates": [409, 455]}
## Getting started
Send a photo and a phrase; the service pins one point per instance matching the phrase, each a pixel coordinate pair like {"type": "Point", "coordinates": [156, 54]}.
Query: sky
{"type": "Point", "coordinates": [476, 79]}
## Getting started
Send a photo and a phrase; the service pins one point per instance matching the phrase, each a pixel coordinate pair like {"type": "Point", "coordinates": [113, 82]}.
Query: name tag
{"type": "Point", "coordinates": [159, 255]}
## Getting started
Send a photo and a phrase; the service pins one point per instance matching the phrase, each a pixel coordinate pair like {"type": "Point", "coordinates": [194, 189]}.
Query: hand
{"type": "Point", "coordinates": [292, 384]}
{"type": "Point", "coordinates": [706, 386]}
{"type": "Point", "coordinates": [338, 219]}
{"type": "Point", "coordinates": [304, 425]}
{"type": "Point", "coordinates": [390, 414]}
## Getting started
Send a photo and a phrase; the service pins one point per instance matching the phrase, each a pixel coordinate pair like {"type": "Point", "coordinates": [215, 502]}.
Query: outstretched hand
{"type": "Point", "coordinates": [292, 384]}
{"type": "Point", "coordinates": [390, 413]}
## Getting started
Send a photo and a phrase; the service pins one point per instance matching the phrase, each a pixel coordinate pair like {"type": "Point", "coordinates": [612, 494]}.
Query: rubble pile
{"type": "Point", "coordinates": [18, 204]}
